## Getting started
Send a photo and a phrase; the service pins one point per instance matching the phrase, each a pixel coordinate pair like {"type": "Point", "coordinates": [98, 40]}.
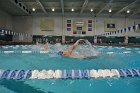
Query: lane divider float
{"type": "Point", "coordinates": [68, 74]}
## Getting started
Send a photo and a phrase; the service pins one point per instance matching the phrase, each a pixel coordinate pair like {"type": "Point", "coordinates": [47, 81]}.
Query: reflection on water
{"type": "Point", "coordinates": [20, 87]}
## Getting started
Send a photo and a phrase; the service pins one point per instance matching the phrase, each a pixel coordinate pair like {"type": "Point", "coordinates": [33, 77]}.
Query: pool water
{"type": "Point", "coordinates": [109, 58]}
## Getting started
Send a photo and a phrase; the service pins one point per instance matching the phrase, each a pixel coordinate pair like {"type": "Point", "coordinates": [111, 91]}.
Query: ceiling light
{"type": "Point", "coordinates": [128, 11]}
{"type": "Point", "coordinates": [53, 9]}
{"type": "Point", "coordinates": [91, 10]}
{"type": "Point", "coordinates": [110, 10]}
{"type": "Point", "coordinates": [33, 9]}
{"type": "Point", "coordinates": [72, 9]}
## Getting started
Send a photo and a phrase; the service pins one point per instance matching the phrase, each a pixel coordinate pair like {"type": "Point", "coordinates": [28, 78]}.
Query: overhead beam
{"type": "Point", "coordinates": [126, 7]}
{"type": "Point", "coordinates": [12, 1]}
{"type": "Point", "coordinates": [62, 6]}
{"type": "Point", "coordinates": [104, 7]}
{"type": "Point", "coordinates": [84, 5]}
{"type": "Point", "coordinates": [42, 7]}
{"type": "Point", "coordinates": [135, 13]}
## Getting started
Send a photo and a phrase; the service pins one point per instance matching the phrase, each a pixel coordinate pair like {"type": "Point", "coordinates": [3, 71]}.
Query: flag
{"type": "Point", "coordinates": [5, 31]}
{"type": "Point", "coordinates": [121, 30]}
{"type": "Point", "coordinates": [125, 29]}
{"type": "Point", "coordinates": [139, 26]}
{"type": "Point", "coordinates": [14, 33]}
{"type": "Point", "coordinates": [17, 34]}
{"type": "Point", "coordinates": [2, 30]}
{"type": "Point", "coordinates": [26, 35]}
{"type": "Point", "coordinates": [8, 32]}
{"type": "Point", "coordinates": [133, 27]}
{"type": "Point", "coordinates": [136, 27]}
{"type": "Point", "coordinates": [129, 28]}
{"type": "Point", "coordinates": [118, 31]}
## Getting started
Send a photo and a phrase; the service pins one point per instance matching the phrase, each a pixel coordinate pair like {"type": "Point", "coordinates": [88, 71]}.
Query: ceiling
{"type": "Point", "coordinates": [63, 7]}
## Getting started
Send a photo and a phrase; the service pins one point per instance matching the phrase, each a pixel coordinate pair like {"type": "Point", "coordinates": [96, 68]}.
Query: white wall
{"type": "Point", "coordinates": [5, 20]}
{"type": "Point", "coordinates": [100, 24]}
{"type": "Point", "coordinates": [84, 19]}
{"type": "Point", "coordinates": [23, 24]}
{"type": "Point", "coordinates": [58, 30]}
{"type": "Point", "coordinates": [57, 26]}
{"type": "Point", "coordinates": [121, 23]}
{"type": "Point", "coordinates": [132, 22]}
{"type": "Point", "coordinates": [31, 24]}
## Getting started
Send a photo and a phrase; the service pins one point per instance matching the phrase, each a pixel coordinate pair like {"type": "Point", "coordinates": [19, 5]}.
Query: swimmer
{"type": "Point", "coordinates": [37, 42]}
{"type": "Point", "coordinates": [70, 53]}
{"type": "Point", "coordinates": [46, 45]}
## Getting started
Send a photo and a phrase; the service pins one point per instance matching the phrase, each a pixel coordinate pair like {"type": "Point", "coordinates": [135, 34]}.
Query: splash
{"type": "Point", "coordinates": [87, 50]}
{"type": "Point", "coordinates": [92, 51]}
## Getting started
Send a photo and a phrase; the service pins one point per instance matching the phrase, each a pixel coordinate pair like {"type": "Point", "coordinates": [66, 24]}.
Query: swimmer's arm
{"type": "Point", "coordinates": [74, 45]}
{"type": "Point", "coordinates": [77, 42]}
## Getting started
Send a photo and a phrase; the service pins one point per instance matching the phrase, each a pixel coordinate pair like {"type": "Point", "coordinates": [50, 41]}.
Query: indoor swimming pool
{"type": "Point", "coordinates": [32, 57]}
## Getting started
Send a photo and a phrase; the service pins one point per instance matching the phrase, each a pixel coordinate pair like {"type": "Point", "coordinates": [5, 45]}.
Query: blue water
{"type": "Point", "coordinates": [109, 58]}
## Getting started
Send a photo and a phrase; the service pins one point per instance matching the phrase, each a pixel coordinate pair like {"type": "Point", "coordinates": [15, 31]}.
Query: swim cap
{"type": "Point", "coordinates": [60, 53]}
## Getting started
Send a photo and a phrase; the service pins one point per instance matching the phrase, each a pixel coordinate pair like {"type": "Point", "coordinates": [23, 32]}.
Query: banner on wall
{"type": "Point", "coordinates": [90, 25]}
{"type": "Point", "coordinates": [79, 27]}
{"type": "Point", "coordinates": [110, 26]}
{"type": "Point", "coordinates": [46, 24]}
{"type": "Point", "coordinates": [69, 26]}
